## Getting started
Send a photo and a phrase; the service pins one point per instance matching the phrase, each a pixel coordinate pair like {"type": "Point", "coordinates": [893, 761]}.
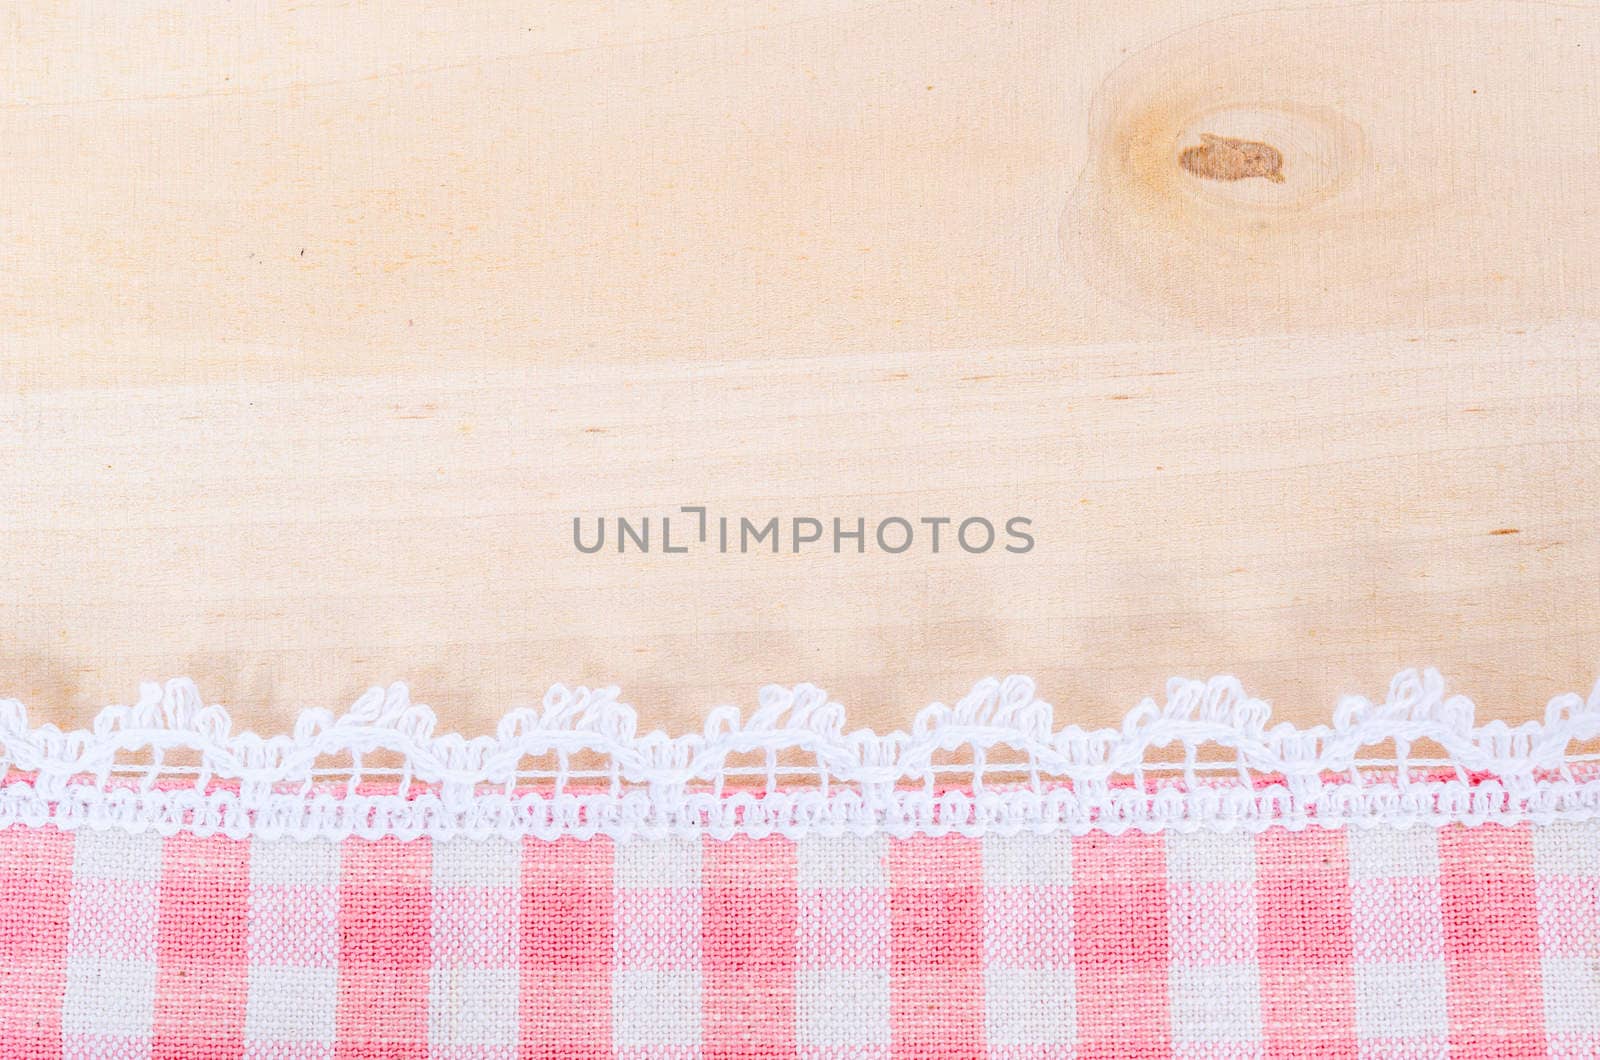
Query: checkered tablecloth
{"type": "Point", "coordinates": [1421, 942]}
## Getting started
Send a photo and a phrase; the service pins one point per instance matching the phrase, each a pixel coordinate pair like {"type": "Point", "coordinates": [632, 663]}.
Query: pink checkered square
{"type": "Point", "coordinates": [1121, 946]}
{"type": "Point", "coordinates": [36, 876]}
{"type": "Point", "coordinates": [749, 926]}
{"type": "Point", "coordinates": [1306, 953]}
{"type": "Point", "coordinates": [385, 948]}
{"type": "Point", "coordinates": [566, 941]}
{"type": "Point", "coordinates": [935, 947]}
{"type": "Point", "coordinates": [202, 951]}
{"type": "Point", "coordinates": [1491, 942]}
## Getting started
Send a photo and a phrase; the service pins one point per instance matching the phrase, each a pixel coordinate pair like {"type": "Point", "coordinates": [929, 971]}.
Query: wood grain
{"type": "Point", "coordinates": [322, 322]}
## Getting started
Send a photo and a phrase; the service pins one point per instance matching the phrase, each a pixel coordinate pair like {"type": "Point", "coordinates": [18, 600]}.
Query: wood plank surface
{"type": "Point", "coordinates": [322, 321]}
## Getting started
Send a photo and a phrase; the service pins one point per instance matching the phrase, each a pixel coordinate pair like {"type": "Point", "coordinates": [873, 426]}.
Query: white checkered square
{"type": "Point", "coordinates": [1027, 902]}
{"type": "Point", "coordinates": [475, 904]}
{"type": "Point", "coordinates": [841, 928]}
{"type": "Point", "coordinates": [1567, 848]}
{"type": "Point", "coordinates": [1397, 926]}
{"type": "Point", "coordinates": [267, 1050]}
{"type": "Point", "coordinates": [127, 857]}
{"type": "Point", "coordinates": [654, 1009]}
{"type": "Point", "coordinates": [115, 893]}
{"type": "Point", "coordinates": [1214, 981]}
{"type": "Point", "coordinates": [1397, 918]}
{"type": "Point", "coordinates": [1030, 1006]}
{"type": "Point", "coordinates": [290, 1005]}
{"type": "Point", "coordinates": [472, 985]}
{"type": "Point", "coordinates": [1211, 857]}
{"type": "Point", "coordinates": [658, 929]}
{"type": "Point", "coordinates": [1216, 1003]}
{"type": "Point", "coordinates": [1401, 1001]}
{"type": "Point", "coordinates": [1386, 852]}
{"type": "Point", "coordinates": [111, 934]}
{"type": "Point", "coordinates": [1211, 898]}
{"type": "Point", "coordinates": [846, 861]}
{"type": "Point", "coordinates": [475, 928]}
{"type": "Point", "coordinates": [293, 942]}
{"type": "Point", "coordinates": [842, 904]}
{"type": "Point", "coordinates": [1566, 860]}
{"type": "Point", "coordinates": [842, 1007]}
{"type": "Point", "coordinates": [113, 919]}
{"type": "Point", "coordinates": [109, 996]}
{"type": "Point", "coordinates": [104, 1047]}
{"type": "Point", "coordinates": [657, 863]}
{"type": "Point", "coordinates": [472, 1006]}
{"type": "Point", "coordinates": [655, 980]}
{"type": "Point", "coordinates": [294, 926]}
{"type": "Point", "coordinates": [294, 863]}
{"type": "Point", "coordinates": [462, 863]}
{"type": "Point", "coordinates": [1028, 860]}
{"type": "Point", "coordinates": [842, 951]}
{"type": "Point", "coordinates": [1571, 996]}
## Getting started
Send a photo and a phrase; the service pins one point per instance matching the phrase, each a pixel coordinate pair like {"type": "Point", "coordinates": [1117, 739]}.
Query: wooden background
{"type": "Point", "coordinates": [322, 320]}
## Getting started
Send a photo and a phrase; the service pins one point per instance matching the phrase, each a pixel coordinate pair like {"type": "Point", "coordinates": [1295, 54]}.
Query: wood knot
{"type": "Point", "coordinates": [1225, 158]}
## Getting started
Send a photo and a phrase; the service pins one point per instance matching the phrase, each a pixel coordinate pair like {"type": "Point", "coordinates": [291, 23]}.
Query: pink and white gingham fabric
{"type": "Point", "coordinates": [1198, 883]}
{"type": "Point", "coordinates": [1361, 942]}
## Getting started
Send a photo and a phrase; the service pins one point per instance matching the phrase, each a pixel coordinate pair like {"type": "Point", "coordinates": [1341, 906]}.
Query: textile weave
{"type": "Point", "coordinates": [1361, 942]}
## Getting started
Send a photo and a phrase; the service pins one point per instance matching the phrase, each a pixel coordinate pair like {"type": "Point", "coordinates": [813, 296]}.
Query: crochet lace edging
{"type": "Point", "coordinates": [1206, 758]}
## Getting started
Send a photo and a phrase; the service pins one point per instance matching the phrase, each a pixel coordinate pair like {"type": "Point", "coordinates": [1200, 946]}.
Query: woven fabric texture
{"type": "Point", "coordinates": [1374, 942]}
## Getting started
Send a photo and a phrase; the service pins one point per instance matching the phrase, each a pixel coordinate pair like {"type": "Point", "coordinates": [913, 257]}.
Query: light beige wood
{"type": "Point", "coordinates": [322, 321]}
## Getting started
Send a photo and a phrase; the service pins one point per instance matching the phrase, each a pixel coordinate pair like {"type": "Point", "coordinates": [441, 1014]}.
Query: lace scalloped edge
{"type": "Point", "coordinates": [1208, 757]}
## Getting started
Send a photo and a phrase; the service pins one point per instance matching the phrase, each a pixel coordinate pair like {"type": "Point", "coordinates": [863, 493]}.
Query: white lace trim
{"type": "Point", "coordinates": [994, 762]}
